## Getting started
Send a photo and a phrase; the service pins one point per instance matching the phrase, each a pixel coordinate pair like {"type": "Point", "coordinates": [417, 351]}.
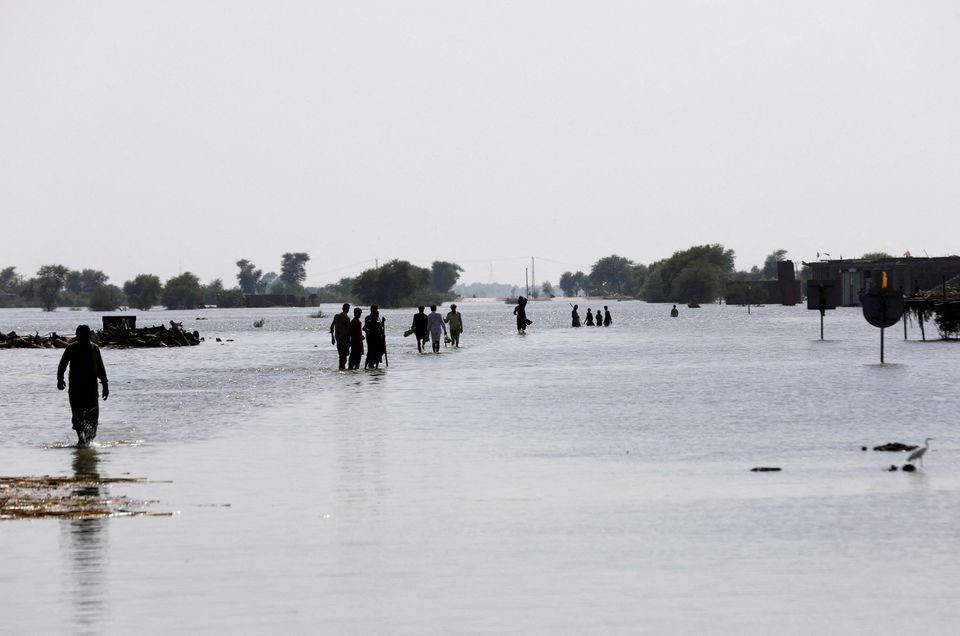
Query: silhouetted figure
{"type": "Point", "coordinates": [437, 328]}
{"type": "Point", "coordinates": [455, 320]}
{"type": "Point", "coordinates": [356, 339]}
{"type": "Point", "coordinates": [575, 316]}
{"type": "Point", "coordinates": [420, 328]}
{"type": "Point", "coordinates": [376, 338]}
{"type": "Point", "coordinates": [86, 367]}
{"type": "Point", "coordinates": [521, 313]}
{"type": "Point", "coordinates": [674, 312]}
{"type": "Point", "coordinates": [340, 334]}
{"type": "Point", "coordinates": [607, 318]}
{"type": "Point", "coordinates": [589, 321]}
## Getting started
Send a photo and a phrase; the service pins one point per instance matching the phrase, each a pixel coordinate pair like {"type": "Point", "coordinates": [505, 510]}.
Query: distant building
{"type": "Point", "coordinates": [785, 290]}
{"type": "Point", "coordinates": [906, 273]}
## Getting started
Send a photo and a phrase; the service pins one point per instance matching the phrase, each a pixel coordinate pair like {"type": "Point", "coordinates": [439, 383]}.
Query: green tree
{"type": "Point", "coordinates": [249, 277]}
{"type": "Point", "coordinates": [46, 286]}
{"type": "Point", "coordinates": [106, 298]}
{"type": "Point", "coordinates": [211, 291]}
{"type": "Point", "coordinates": [656, 289]}
{"type": "Point", "coordinates": [231, 298]}
{"type": "Point", "coordinates": [183, 292]}
{"type": "Point", "coordinates": [339, 292]}
{"type": "Point", "coordinates": [770, 263]}
{"type": "Point", "coordinates": [877, 256]}
{"type": "Point", "coordinates": [547, 288]}
{"type": "Point", "coordinates": [567, 286]}
{"type": "Point", "coordinates": [10, 281]}
{"type": "Point", "coordinates": [698, 282]}
{"type": "Point", "coordinates": [444, 275]}
{"type": "Point", "coordinates": [392, 284]}
{"type": "Point", "coordinates": [293, 269]}
{"type": "Point", "coordinates": [143, 291]}
{"type": "Point", "coordinates": [612, 273]}
{"type": "Point", "coordinates": [659, 284]}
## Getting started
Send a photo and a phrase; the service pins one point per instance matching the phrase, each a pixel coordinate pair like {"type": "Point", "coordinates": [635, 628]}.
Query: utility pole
{"type": "Point", "coordinates": [526, 280]}
{"type": "Point", "coordinates": [533, 273]}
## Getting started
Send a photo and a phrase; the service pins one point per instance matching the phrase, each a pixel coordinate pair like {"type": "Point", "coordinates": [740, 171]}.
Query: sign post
{"type": "Point", "coordinates": [822, 295]}
{"type": "Point", "coordinates": [882, 308]}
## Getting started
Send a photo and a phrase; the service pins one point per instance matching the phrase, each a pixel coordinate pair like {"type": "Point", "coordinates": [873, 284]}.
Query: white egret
{"type": "Point", "coordinates": [919, 452]}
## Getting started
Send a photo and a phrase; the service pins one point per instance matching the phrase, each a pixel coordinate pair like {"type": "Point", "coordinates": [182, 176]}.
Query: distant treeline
{"type": "Point", "coordinates": [394, 284]}
{"type": "Point", "coordinates": [698, 274]}
{"type": "Point", "coordinates": [695, 275]}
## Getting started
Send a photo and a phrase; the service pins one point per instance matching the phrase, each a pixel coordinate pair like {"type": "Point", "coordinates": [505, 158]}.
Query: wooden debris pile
{"type": "Point", "coordinates": [895, 447]}
{"type": "Point", "coordinates": [67, 497]}
{"type": "Point", "coordinates": [157, 336]}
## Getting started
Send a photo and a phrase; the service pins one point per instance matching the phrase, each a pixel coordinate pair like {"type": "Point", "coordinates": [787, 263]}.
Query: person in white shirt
{"type": "Point", "coordinates": [436, 326]}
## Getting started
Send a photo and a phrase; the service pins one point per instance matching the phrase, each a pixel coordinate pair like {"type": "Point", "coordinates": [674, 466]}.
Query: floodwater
{"type": "Point", "coordinates": [567, 481]}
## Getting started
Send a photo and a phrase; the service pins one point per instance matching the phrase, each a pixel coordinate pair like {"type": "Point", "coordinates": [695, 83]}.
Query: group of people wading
{"type": "Point", "coordinates": [604, 320]}
{"type": "Point", "coordinates": [349, 337]}
{"type": "Point", "coordinates": [433, 326]}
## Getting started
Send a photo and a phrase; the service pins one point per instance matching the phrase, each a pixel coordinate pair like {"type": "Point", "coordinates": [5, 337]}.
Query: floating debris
{"type": "Point", "coordinates": [111, 336]}
{"type": "Point", "coordinates": [765, 469]}
{"type": "Point", "coordinates": [895, 447]}
{"type": "Point", "coordinates": [908, 468]}
{"type": "Point", "coordinates": [78, 497]}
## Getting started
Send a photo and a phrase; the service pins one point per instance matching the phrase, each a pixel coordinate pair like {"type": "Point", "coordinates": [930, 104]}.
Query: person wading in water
{"type": "Point", "coordinates": [420, 328]}
{"type": "Point", "coordinates": [607, 318]}
{"type": "Point", "coordinates": [437, 328]}
{"type": "Point", "coordinates": [376, 339]}
{"type": "Point", "coordinates": [589, 320]}
{"type": "Point", "coordinates": [340, 336]}
{"type": "Point", "coordinates": [455, 320]}
{"type": "Point", "coordinates": [575, 316]}
{"type": "Point", "coordinates": [356, 340]}
{"type": "Point", "coordinates": [86, 367]}
{"type": "Point", "coordinates": [521, 312]}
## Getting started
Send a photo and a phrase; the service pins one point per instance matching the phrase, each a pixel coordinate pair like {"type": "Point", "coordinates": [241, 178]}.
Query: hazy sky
{"type": "Point", "coordinates": [154, 136]}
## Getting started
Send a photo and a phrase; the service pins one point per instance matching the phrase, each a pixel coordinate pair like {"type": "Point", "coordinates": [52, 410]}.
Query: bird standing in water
{"type": "Point", "coordinates": [920, 452]}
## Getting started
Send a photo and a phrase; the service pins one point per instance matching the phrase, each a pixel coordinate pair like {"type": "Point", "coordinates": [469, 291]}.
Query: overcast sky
{"type": "Point", "coordinates": [160, 136]}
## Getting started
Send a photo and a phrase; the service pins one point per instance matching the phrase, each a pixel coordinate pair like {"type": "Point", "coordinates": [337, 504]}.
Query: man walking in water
{"type": "Point", "coordinates": [455, 320]}
{"type": "Point", "coordinates": [376, 338]}
{"type": "Point", "coordinates": [520, 311]}
{"type": "Point", "coordinates": [86, 367]}
{"type": "Point", "coordinates": [340, 334]}
{"type": "Point", "coordinates": [420, 328]}
{"type": "Point", "coordinates": [607, 318]}
{"type": "Point", "coordinates": [589, 321]}
{"type": "Point", "coordinates": [356, 340]}
{"type": "Point", "coordinates": [575, 316]}
{"type": "Point", "coordinates": [437, 328]}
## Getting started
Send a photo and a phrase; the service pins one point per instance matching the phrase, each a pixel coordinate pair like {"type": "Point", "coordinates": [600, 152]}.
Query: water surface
{"type": "Point", "coordinates": [567, 481]}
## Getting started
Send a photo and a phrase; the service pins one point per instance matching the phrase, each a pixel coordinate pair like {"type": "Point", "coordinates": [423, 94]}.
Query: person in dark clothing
{"type": "Point", "coordinates": [521, 313]}
{"type": "Point", "coordinates": [575, 316]}
{"type": "Point", "coordinates": [674, 312]}
{"type": "Point", "coordinates": [420, 328]}
{"type": "Point", "coordinates": [607, 318]}
{"type": "Point", "coordinates": [86, 367]}
{"type": "Point", "coordinates": [356, 340]}
{"type": "Point", "coordinates": [589, 321]}
{"type": "Point", "coordinates": [339, 334]}
{"type": "Point", "coordinates": [376, 338]}
{"type": "Point", "coordinates": [598, 318]}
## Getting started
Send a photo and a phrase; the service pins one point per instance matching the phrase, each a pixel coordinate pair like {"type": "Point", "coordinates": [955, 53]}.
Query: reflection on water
{"type": "Point", "coordinates": [86, 550]}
